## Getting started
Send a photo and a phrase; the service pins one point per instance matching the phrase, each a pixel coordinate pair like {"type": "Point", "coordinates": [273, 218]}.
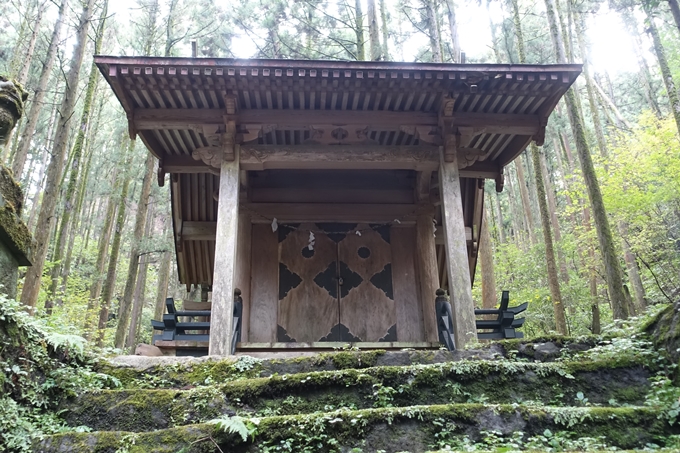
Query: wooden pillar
{"type": "Point", "coordinates": [242, 278]}
{"type": "Point", "coordinates": [222, 319]}
{"type": "Point", "coordinates": [426, 265]}
{"type": "Point", "coordinates": [458, 270]}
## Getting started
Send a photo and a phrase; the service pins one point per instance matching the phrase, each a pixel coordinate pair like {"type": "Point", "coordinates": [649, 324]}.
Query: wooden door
{"type": "Point", "coordinates": [340, 289]}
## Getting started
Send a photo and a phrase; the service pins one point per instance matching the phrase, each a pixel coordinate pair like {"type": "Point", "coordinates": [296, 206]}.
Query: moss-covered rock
{"type": "Point", "coordinates": [415, 428]}
{"type": "Point", "coordinates": [455, 382]}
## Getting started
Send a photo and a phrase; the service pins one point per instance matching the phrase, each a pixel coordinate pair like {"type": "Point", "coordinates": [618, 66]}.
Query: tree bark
{"type": "Point", "coordinates": [514, 217]}
{"type": "Point", "coordinates": [613, 272]}
{"type": "Point", "coordinates": [29, 295]}
{"type": "Point", "coordinates": [385, 32]}
{"type": "Point", "coordinates": [110, 282]}
{"type": "Point", "coordinates": [663, 64]}
{"type": "Point", "coordinates": [433, 31]}
{"type": "Point", "coordinates": [675, 9]}
{"type": "Point", "coordinates": [374, 32]}
{"type": "Point", "coordinates": [526, 203]}
{"type": "Point", "coordinates": [98, 278]}
{"type": "Point", "coordinates": [633, 271]}
{"type": "Point", "coordinates": [163, 276]}
{"type": "Point", "coordinates": [37, 103]}
{"type": "Point", "coordinates": [76, 154]}
{"type": "Point", "coordinates": [499, 218]}
{"type": "Point", "coordinates": [594, 112]}
{"type": "Point", "coordinates": [552, 208]}
{"type": "Point", "coordinates": [66, 268]}
{"type": "Point", "coordinates": [126, 302]}
{"type": "Point", "coordinates": [489, 296]}
{"type": "Point", "coordinates": [553, 282]}
{"type": "Point", "coordinates": [140, 290]}
{"type": "Point", "coordinates": [453, 29]}
{"type": "Point", "coordinates": [359, 30]}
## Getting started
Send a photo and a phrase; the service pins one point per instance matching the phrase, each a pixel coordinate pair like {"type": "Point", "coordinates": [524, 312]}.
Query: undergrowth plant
{"type": "Point", "coordinates": [38, 369]}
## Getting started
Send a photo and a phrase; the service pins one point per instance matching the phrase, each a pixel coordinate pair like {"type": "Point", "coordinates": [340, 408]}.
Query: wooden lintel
{"type": "Point", "coordinates": [340, 157]}
{"type": "Point", "coordinates": [325, 160]}
{"type": "Point", "coordinates": [331, 212]}
{"type": "Point", "coordinates": [149, 119]}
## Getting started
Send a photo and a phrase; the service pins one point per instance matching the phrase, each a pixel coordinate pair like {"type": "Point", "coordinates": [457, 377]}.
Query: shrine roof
{"type": "Point", "coordinates": [173, 102]}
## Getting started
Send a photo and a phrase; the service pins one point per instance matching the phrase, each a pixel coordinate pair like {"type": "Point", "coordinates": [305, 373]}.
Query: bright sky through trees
{"type": "Point", "coordinates": [611, 46]}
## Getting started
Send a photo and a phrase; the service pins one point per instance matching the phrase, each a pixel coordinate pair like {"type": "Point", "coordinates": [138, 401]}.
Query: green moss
{"type": "Point", "coordinates": [352, 359]}
{"type": "Point", "coordinates": [12, 229]}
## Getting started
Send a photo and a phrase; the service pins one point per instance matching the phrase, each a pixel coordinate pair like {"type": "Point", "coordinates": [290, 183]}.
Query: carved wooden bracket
{"type": "Point", "coordinates": [500, 181]}
{"type": "Point", "coordinates": [161, 173]}
{"type": "Point", "coordinates": [468, 156]}
{"type": "Point", "coordinates": [539, 138]}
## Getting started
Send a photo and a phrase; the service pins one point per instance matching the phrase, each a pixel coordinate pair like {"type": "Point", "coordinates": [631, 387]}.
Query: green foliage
{"type": "Point", "coordinates": [641, 189]}
{"type": "Point", "coordinates": [38, 369]}
{"type": "Point", "coordinates": [244, 427]}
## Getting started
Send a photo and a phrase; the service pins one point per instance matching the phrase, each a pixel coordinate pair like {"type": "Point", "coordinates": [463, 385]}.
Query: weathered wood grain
{"type": "Point", "coordinates": [365, 310]}
{"type": "Point", "coordinates": [458, 270]}
{"type": "Point", "coordinates": [243, 267]}
{"type": "Point", "coordinates": [426, 265]}
{"type": "Point", "coordinates": [409, 307]}
{"type": "Point", "coordinates": [264, 284]}
{"type": "Point", "coordinates": [307, 312]}
{"type": "Point", "coordinates": [225, 260]}
{"type": "Point", "coordinates": [339, 157]}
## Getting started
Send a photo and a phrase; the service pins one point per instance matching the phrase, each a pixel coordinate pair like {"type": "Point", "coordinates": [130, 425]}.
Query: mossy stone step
{"type": "Point", "coordinates": [173, 372]}
{"type": "Point", "coordinates": [494, 382]}
{"type": "Point", "coordinates": [413, 429]}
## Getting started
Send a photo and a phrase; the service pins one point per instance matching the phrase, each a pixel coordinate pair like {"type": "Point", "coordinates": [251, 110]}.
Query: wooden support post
{"type": "Point", "coordinates": [222, 318]}
{"type": "Point", "coordinates": [426, 265]}
{"type": "Point", "coordinates": [460, 287]}
{"type": "Point", "coordinates": [242, 278]}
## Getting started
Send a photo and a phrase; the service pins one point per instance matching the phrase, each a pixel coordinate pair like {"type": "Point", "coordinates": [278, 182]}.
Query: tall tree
{"type": "Point", "coordinates": [453, 29]}
{"type": "Point", "coordinates": [433, 29]}
{"type": "Point", "coordinates": [29, 295]}
{"type": "Point", "coordinates": [553, 282]}
{"type": "Point", "coordinates": [104, 239]}
{"type": "Point", "coordinates": [613, 272]}
{"type": "Point", "coordinates": [110, 281]}
{"type": "Point", "coordinates": [140, 290]}
{"type": "Point", "coordinates": [385, 32]}
{"type": "Point", "coordinates": [359, 30]}
{"type": "Point", "coordinates": [663, 63]}
{"type": "Point", "coordinates": [124, 309]}
{"type": "Point", "coordinates": [374, 32]}
{"type": "Point", "coordinates": [75, 156]}
{"type": "Point", "coordinates": [39, 94]}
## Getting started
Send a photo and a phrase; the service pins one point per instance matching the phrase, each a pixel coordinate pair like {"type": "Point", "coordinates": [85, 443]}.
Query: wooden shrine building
{"type": "Point", "coordinates": [337, 196]}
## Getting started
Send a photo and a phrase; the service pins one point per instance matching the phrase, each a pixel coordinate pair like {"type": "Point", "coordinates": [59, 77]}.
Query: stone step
{"type": "Point", "coordinates": [413, 429]}
{"type": "Point", "coordinates": [493, 382]}
{"type": "Point", "coordinates": [169, 372]}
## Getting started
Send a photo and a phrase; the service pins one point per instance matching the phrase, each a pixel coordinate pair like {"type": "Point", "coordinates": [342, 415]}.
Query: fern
{"type": "Point", "coordinates": [236, 425]}
{"type": "Point", "coordinates": [72, 343]}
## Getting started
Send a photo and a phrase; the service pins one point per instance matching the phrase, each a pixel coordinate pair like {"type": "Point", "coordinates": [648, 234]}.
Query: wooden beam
{"type": "Point", "coordinates": [502, 123]}
{"type": "Point", "coordinates": [222, 318]}
{"type": "Point", "coordinates": [455, 244]}
{"type": "Point", "coordinates": [198, 231]}
{"type": "Point", "coordinates": [339, 157]}
{"type": "Point", "coordinates": [206, 231]}
{"type": "Point", "coordinates": [331, 212]}
{"type": "Point", "coordinates": [426, 267]}
{"type": "Point", "coordinates": [419, 158]}
{"type": "Point", "coordinates": [243, 266]}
